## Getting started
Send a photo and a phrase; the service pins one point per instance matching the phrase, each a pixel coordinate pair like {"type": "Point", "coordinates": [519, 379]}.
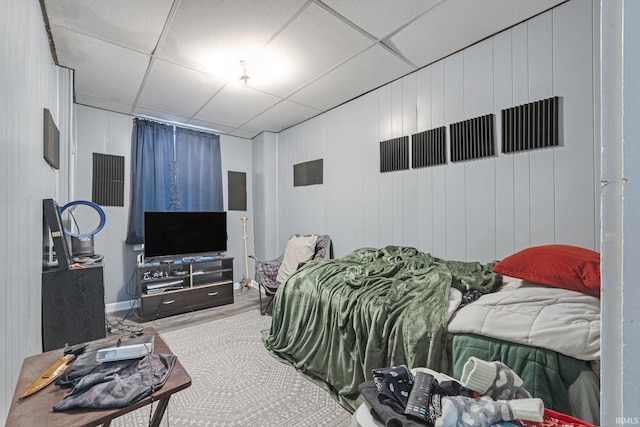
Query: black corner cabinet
{"type": "Point", "coordinates": [171, 288]}
{"type": "Point", "coordinates": [73, 310]}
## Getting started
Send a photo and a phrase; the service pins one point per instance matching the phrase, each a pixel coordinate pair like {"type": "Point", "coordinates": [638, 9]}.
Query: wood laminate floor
{"type": "Point", "coordinates": [244, 300]}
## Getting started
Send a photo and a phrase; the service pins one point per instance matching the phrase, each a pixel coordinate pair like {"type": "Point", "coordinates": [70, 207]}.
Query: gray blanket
{"type": "Point", "coordinates": [117, 384]}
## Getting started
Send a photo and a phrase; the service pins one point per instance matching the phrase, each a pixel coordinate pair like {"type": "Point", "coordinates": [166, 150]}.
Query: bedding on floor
{"type": "Point", "coordinates": [527, 313]}
{"type": "Point", "coordinates": [336, 320]}
{"type": "Point", "coordinates": [549, 336]}
{"type": "Point", "coordinates": [546, 374]}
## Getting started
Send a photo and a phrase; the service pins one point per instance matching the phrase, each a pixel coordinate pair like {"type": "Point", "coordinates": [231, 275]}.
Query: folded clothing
{"type": "Point", "coordinates": [386, 414]}
{"type": "Point", "coordinates": [458, 411]}
{"type": "Point", "coordinates": [394, 385]}
{"type": "Point", "coordinates": [493, 379]}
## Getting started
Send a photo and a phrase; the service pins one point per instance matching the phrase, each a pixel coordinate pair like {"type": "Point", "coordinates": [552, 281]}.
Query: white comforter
{"type": "Point", "coordinates": [564, 321]}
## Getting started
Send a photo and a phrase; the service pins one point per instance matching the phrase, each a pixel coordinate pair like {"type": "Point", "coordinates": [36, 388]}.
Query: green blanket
{"type": "Point", "coordinates": [545, 373]}
{"type": "Point", "coordinates": [336, 320]}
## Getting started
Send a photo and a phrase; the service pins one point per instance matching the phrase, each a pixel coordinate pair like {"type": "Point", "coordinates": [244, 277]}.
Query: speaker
{"type": "Point", "coordinates": [72, 306]}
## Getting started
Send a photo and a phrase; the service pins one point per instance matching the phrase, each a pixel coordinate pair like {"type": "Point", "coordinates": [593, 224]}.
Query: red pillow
{"type": "Point", "coordinates": [560, 266]}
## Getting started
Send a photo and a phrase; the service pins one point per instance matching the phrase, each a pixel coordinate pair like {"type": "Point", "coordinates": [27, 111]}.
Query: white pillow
{"type": "Point", "coordinates": [299, 249]}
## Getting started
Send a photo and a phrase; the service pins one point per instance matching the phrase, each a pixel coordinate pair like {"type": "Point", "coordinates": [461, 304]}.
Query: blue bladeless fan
{"type": "Point", "coordinates": [82, 243]}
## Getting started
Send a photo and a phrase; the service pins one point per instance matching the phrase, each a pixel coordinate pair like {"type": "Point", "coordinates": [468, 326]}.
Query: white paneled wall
{"type": "Point", "coordinates": [106, 132]}
{"type": "Point", "coordinates": [264, 190]}
{"type": "Point", "coordinates": [477, 210]}
{"type": "Point", "coordinates": [236, 156]}
{"type": "Point", "coordinates": [29, 82]}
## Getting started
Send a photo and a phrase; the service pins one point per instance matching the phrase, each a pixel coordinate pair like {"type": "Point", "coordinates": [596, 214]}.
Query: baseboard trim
{"type": "Point", "coordinates": [121, 306]}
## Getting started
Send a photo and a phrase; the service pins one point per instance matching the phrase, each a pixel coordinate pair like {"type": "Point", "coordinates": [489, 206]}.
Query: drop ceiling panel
{"type": "Point", "coordinates": [431, 37]}
{"type": "Point", "coordinates": [134, 24]}
{"type": "Point", "coordinates": [161, 115]}
{"type": "Point", "coordinates": [353, 79]}
{"type": "Point", "coordinates": [235, 105]}
{"type": "Point", "coordinates": [302, 56]}
{"type": "Point", "coordinates": [104, 104]}
{"type": "Point", "coordinates": [241, 133]}
{"type": "Point", "coordinates": [281, 116]}
{"type": "Point", "coordinates": [102, 70]}
{"type": "Point", "coordinates": [376, 17]}
{"type": "Point", "coordinates": [215, 35]}
{"type": "Point", "coordinates": [211, 126]}
{"type": "Point", "coordinates": [310, 46]}
{"type": "Point", "coordinates": [174, 88]}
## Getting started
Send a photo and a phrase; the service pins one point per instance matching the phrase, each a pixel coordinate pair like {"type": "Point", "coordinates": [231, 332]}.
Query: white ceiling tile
{"type": "Point", "coordinates": [174, 88]}
{"type": "Point", "coordinates": [102, 70]}
{"type": "Point", "coordinates": [104, 104]}
{"type": "Point", "coordinates": [215, 35]}
{"type": "Point", "coordinates": [160, 115]}
{"type": "Point", "coordinates": [432, 37]}
{"type": "Point", "coordinates": [135, 24]}
{"type": "Point", "coordinates": [376, 17]}
{"type": "Point", "coordinates": [281, 116]}
{"type": "Point", "coordinates": [242, 133]}
{"type": "Point", "coordinates": [214, 127]}
{"type": "Point", "coordinates": [316, 53]}
{"type": "Point", "coordinates": [353, 79]}
{"type": "Point", "coordinates": [311, 45]}
{"type": "Point", "coordinates": [236, 104]}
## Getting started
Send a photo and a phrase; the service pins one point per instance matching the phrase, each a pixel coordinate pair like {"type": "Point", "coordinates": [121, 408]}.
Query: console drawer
{"type": "Point", "coordinates": [211, 295]}
{"type": "Point", "coordinates": [164, 304]}
{"type": "Point", "coordinates": [184, 300]}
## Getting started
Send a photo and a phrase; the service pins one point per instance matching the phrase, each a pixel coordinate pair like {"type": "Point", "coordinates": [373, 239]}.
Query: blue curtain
{"type": "Point", "coordinates": [181, 173]}
{"type": "Point", "coordinates": [198, 171]}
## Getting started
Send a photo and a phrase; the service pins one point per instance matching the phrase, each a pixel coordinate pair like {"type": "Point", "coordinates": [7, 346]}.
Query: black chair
{"type": "Point", "coordinates": [266, 272]}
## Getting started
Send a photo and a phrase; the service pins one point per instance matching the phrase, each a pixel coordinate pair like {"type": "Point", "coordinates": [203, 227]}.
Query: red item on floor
{"type": "Point", "coordinates": [556, 419]}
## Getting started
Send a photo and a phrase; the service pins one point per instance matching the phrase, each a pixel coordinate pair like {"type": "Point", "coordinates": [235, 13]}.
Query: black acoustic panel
{"type": "Point", "coordinates": [108, 180]}
{"type": "Point", "coordinates": [51, 140]}
{"type": "Point", "coordinates": [394, 154]}
{"type": "Point", "coordinates": [237, 191]}
{"type": "Point", "coordinates": [72, 306]}
{"type": "Point", "coordinates": [308, 173]}
{"type": "Point", "coordinates": [473, 138]}
{"type": "Point", "coordinates": [429, 148]}
{"type": "Point", "coordinates": [531, 126]}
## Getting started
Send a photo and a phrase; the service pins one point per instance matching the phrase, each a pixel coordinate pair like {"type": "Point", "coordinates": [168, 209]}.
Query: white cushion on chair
{"type": "Point", "coordinates": [299, 249]}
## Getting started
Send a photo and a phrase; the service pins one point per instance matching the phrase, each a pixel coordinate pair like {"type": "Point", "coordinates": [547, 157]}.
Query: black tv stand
{"type": "Point", "coordinates": [168, 287]}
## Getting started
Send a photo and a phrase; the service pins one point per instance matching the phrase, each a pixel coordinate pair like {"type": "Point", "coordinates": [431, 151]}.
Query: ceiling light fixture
{"type": "Point", "coordinates": [244, 75]}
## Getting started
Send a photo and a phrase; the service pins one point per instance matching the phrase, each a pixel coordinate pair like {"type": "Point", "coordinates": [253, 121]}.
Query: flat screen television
{"type": "Point", "coordinates": [169, 234]}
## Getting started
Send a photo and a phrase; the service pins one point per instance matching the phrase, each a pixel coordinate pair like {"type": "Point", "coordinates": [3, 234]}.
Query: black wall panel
{"type": "Point", "coordinates": [308, 173]}
{"type": "Point", "coordinates": [237, 191]}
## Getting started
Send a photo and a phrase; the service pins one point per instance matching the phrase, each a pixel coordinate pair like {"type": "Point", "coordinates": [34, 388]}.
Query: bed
{"type": "Point", "coordinates": [336, 320]}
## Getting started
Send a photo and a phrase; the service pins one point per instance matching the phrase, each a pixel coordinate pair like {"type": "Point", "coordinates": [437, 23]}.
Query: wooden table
{"type": "Point", "coordinates": [36, 409]}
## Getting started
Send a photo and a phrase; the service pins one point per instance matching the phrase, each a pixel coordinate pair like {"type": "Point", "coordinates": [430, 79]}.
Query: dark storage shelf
{"type": "Point", "coordinates": [204, 284]}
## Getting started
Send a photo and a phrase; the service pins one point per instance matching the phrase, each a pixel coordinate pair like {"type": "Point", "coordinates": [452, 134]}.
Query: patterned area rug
{"type": "Point", "coordinates": [236, 382]}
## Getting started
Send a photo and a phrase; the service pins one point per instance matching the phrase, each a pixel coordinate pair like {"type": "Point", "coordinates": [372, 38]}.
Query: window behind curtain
{"type": "Point", "coordinates": [173, 169]}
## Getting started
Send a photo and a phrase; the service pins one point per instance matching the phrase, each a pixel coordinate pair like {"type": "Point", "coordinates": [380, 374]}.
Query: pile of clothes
{"type": "Point", "coordinates": [488, 394]}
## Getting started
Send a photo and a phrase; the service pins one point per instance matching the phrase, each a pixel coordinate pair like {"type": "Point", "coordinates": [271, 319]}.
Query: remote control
{"type": "Point", "coordinates": [420, 396]}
